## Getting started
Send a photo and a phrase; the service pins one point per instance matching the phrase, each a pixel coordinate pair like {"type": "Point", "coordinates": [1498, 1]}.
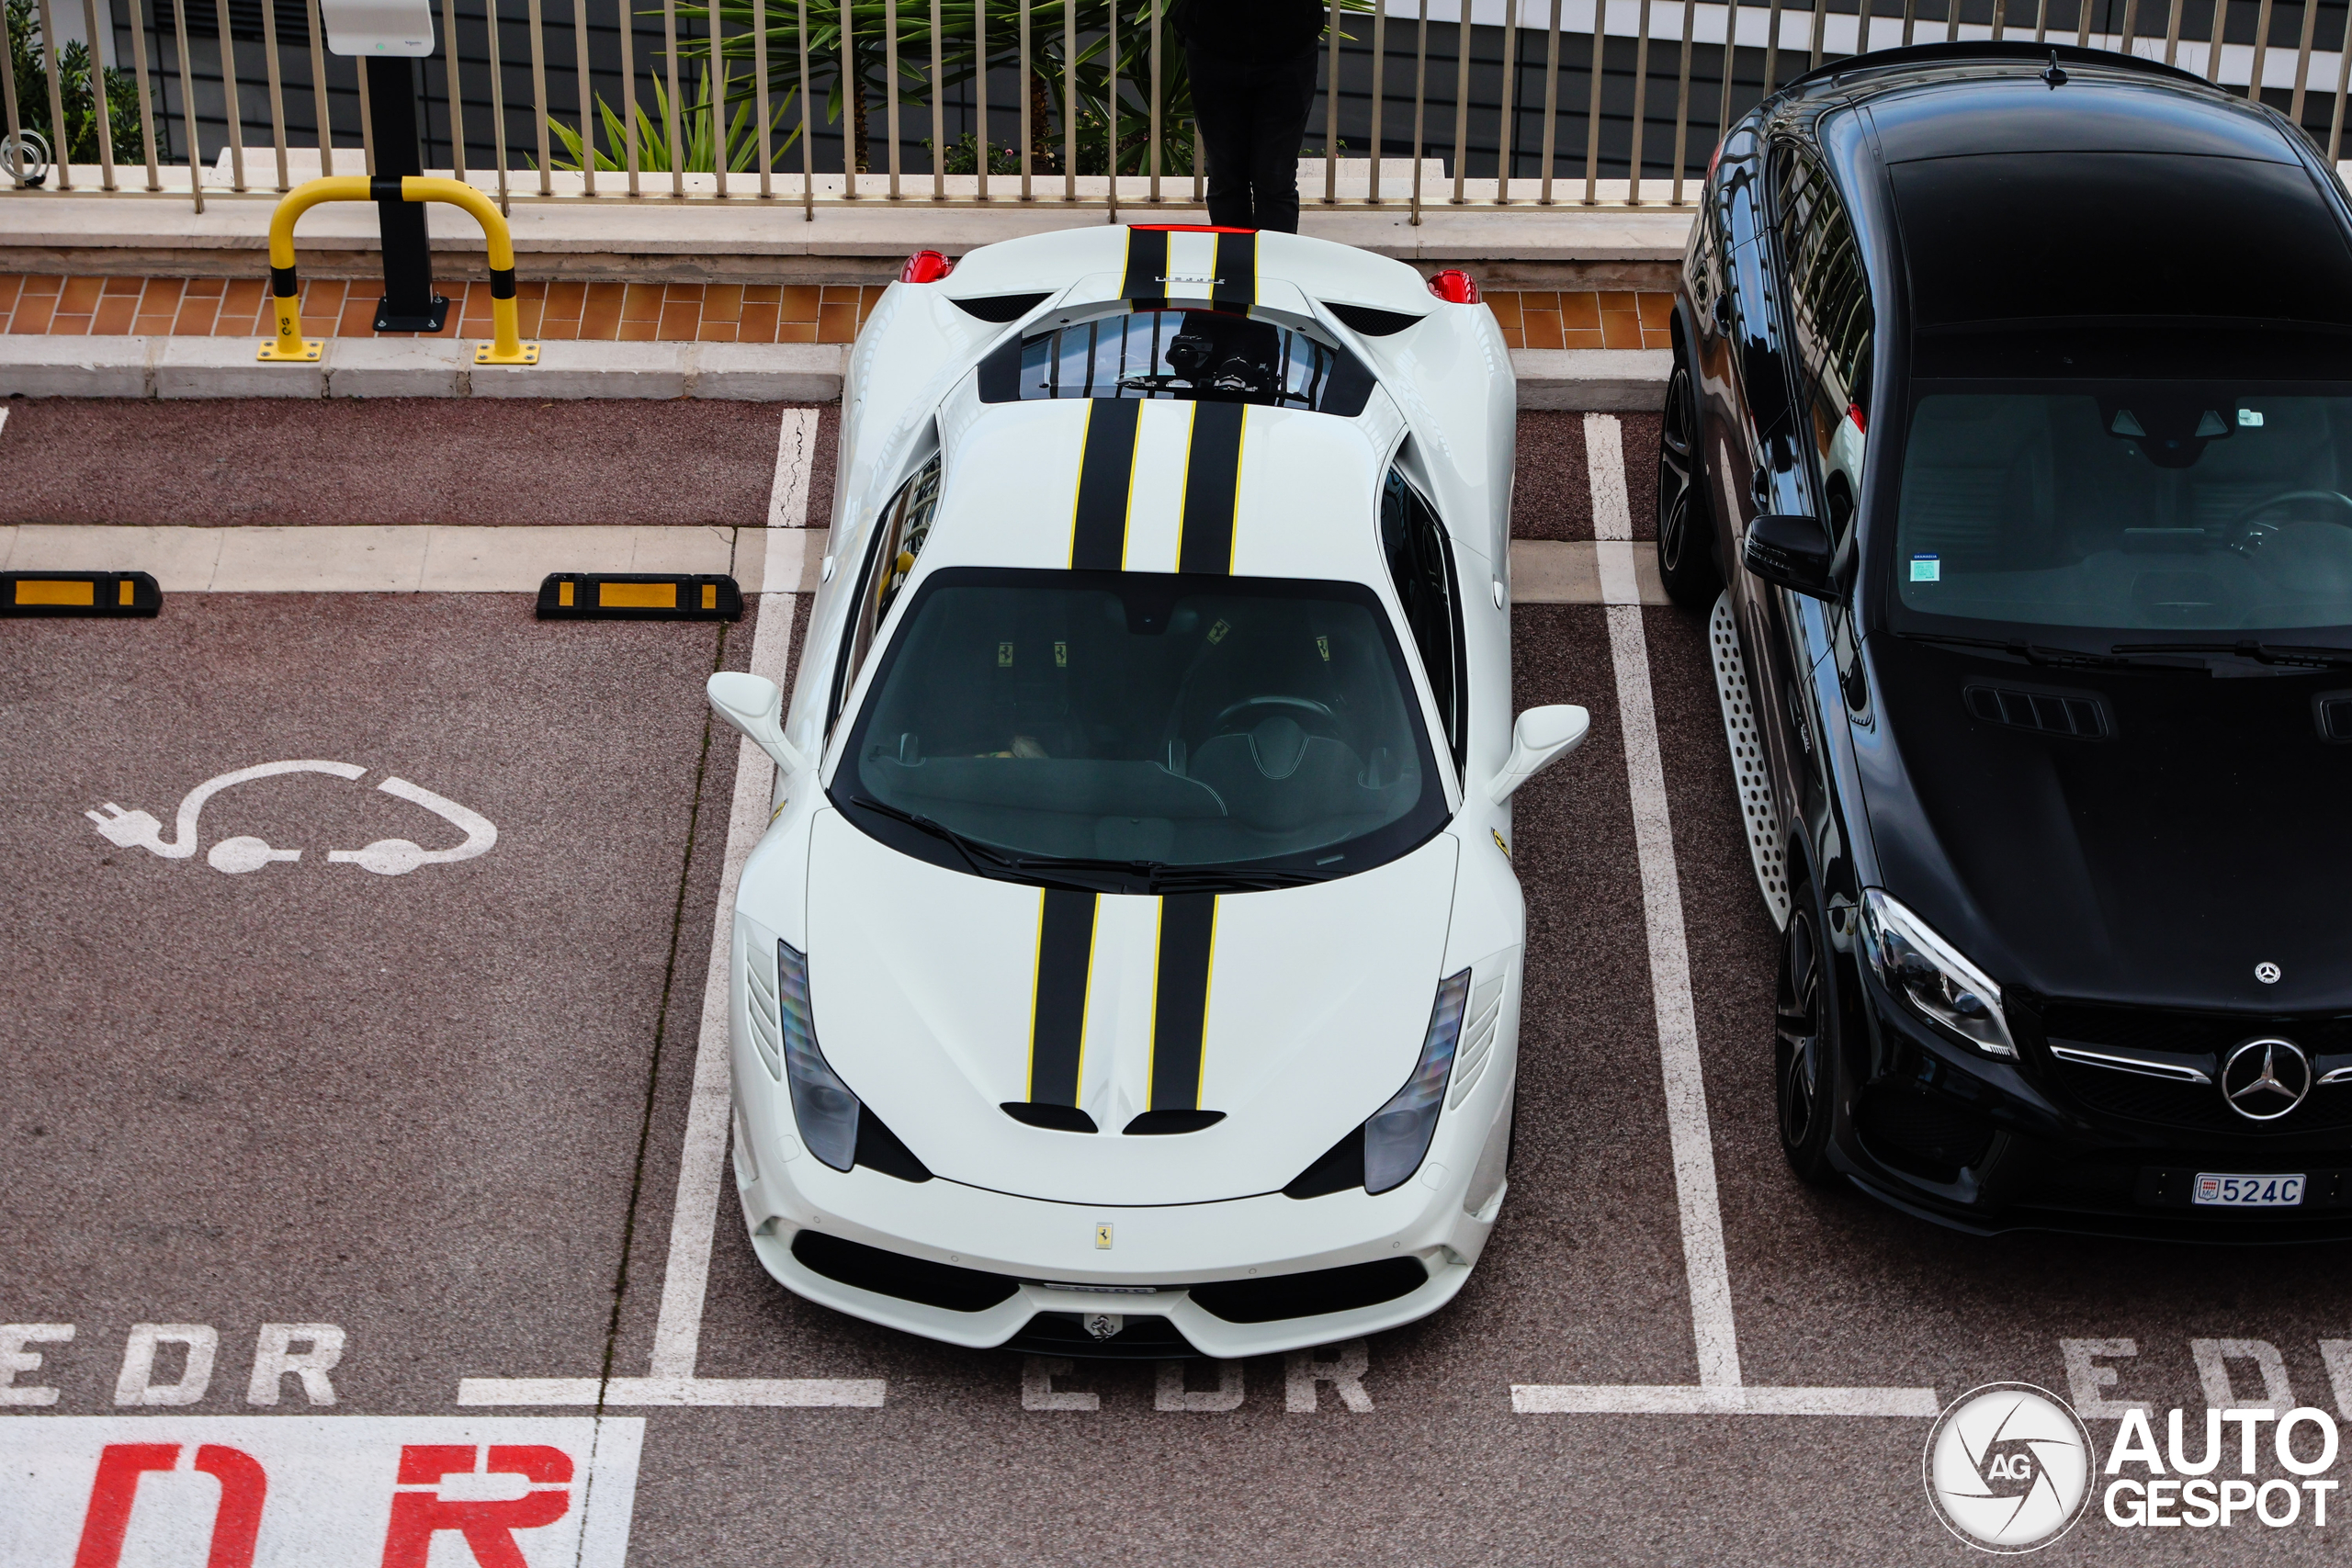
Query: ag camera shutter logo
{"type": "Point", "coordinates": [2008, 1467]}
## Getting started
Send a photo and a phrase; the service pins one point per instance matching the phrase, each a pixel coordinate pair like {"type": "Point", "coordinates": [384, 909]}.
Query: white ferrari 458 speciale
{"type": "Point", "coordinates": [1133, 964]}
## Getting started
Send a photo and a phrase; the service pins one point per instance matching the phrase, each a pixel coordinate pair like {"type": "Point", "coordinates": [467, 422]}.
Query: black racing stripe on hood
{"type": "Point", "coordinates": [1179, 1003]}
{"type": "Point", "coordinates": [1057, 1027]}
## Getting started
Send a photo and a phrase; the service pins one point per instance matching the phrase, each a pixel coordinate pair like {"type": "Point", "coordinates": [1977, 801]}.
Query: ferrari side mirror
{"type": "Point", "coordinates": [755, 706]}
{"type": "Point", "coordinates": [1541, 737]}
{"type": "Point", "coordinates": [1789, 551]}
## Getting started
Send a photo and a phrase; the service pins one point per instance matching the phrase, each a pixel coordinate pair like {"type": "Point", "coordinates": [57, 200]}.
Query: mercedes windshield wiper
{"type": "Point", "coordinates": [2123, 657]}
{"type": "Point", "coordinates": [973, 851]}
{"type": "Point", "coordinates": [2309, 654]}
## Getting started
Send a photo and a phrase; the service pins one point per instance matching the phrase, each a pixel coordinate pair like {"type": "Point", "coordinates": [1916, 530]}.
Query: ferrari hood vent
{"type": "Point", "coordinates": [2082, 715]}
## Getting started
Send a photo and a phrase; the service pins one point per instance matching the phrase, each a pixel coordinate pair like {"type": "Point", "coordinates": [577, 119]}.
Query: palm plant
{"type": "Point", "coordinates": [698, 129]}
{"type": "Point", "coordinates": [848, 61]}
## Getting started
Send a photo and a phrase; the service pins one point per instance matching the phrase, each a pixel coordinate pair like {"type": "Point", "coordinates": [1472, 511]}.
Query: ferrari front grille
{"type": "Point", "coordinates": [919, 1280]}
{"type": "Point", "coordinates": [1313, 1293]}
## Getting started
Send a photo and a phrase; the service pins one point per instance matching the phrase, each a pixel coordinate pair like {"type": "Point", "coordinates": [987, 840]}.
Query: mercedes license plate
{"type": "Point", "coordinates": [2249, 1192]}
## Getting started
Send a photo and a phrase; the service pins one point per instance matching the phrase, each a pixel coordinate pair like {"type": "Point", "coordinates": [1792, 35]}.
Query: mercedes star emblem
{"type": "Point", "coordinates": [2266, 1078]}
{"type": "Point", "coordinates": [2267, 972]}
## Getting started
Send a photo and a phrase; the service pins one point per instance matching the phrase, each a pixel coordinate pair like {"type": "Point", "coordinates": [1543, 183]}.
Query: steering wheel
{"type": "Point", "coordinates": [2244, 531]}
{"type": "Point", "coordinates": [1289, 707]}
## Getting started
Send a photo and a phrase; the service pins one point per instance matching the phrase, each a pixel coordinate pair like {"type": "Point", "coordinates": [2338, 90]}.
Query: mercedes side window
{"type": "Point", "coordinates": [1829, 305]}
{"type": "Point", "coordinates": [1423, 569]}
{"type": "Point", "coordinates": [898, 537]}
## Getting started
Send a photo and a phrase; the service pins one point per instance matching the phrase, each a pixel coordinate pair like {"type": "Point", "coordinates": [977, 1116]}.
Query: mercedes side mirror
{"type": "Point", "coordinates": [755, 706]}
{"type": "Point", "coordinates": [1789, 551]}
{"type": "Point", "coordinates": [1541, 737]}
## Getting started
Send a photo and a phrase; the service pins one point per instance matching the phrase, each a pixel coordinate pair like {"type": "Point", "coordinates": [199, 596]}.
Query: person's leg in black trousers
{"type": "Point", "coordinates": [1251, 119]}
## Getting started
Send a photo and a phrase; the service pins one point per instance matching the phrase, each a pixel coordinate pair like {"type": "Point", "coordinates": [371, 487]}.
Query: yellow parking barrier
{"type": "Point", "coordinates": [290, 346]}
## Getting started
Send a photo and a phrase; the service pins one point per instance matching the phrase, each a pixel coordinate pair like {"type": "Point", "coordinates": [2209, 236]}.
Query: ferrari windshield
{"type": "Point", "coordinates": [1141, 731]}
{"type": "Point", "coordinates": [2178, 508]}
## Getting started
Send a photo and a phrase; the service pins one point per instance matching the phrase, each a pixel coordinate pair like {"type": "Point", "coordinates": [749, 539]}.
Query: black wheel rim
{"type": "Point", "coordinates": [1676, 438]}
{"type": "Point", "coordinates": [1798, 1045]}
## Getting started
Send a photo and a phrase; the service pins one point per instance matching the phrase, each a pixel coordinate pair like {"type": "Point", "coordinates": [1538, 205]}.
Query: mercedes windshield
{"type": "Point", "coordinates": [2185, 516]}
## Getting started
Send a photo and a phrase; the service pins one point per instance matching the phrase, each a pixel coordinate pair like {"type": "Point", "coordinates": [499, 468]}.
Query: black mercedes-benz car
{"type": "Point", "coordinates": [2011, 438]}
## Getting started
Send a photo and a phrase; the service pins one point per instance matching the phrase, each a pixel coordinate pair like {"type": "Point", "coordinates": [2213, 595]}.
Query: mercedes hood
{"type": "Point", "coordinates": [2144, 836]}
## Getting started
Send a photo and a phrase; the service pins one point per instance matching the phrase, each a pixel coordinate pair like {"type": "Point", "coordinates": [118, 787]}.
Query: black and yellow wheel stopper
{"type": "Point", "coordinates": [79, 593]}
{"type": "Point", "coordinates": [638, 596]}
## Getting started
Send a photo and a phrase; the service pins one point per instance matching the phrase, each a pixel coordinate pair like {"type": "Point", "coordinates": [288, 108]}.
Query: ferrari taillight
{"type": "Point", "coordinates": [925, 266]}
{"type": "Point", "coordinates": [1455, 287]}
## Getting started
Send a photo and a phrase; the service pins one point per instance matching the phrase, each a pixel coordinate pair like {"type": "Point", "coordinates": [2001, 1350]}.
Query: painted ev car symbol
{"type": "Point", "coordinates": [386, 857]}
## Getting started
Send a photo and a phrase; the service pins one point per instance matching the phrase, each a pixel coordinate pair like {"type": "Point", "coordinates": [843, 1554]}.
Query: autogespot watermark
{"type": "Point", "coordinates": [2010, 1468]}
{"type": "Point", "coordinates": [2174, 1489]}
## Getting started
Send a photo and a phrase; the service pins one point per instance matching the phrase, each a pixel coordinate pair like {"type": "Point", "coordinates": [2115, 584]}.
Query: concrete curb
{"type": "Point", "coordinates": [416, 368]}
{"type": "Point", "coordinates": [1595, 381]}
{"type": "Point", "coordinates": [747, 240]}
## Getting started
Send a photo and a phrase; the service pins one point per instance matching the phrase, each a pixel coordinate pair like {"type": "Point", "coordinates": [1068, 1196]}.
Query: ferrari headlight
{"type": "Point", "coordinates": [1932, 978]}
{"type": "Point", "coordinates": [1399, 1131]}
{"type": "Point", "coordinates": [821, 1105]}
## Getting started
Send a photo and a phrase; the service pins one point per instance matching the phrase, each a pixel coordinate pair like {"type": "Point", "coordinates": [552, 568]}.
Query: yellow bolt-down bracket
{"type": "Point", "coordinates": [290, 348]}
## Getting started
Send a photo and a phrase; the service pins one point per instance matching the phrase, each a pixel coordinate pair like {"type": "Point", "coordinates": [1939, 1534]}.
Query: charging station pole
{"type": "Point", "coordinates": [389, 36]}
{"type": "Point", "coordinates": [408, 304]}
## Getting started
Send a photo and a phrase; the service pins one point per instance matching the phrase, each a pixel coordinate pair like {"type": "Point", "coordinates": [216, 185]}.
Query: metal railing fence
{"type": "Point", "coordinates": [1496, 104]}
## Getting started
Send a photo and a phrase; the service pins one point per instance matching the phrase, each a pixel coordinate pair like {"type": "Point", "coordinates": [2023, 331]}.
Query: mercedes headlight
{"type": "Point", "coordinates": [1399, 1131]}
{"type": "Point", "coordinates": [1932, 978]}
{"type": "Point", "coordinates": [822, 1105]}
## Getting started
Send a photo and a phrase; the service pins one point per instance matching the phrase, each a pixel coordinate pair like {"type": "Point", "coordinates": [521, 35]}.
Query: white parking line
{"type": "Point", "coordinates": [694, 1217]}
{"type": "Point", "coordinates": [447, 559]}
{"type": "Point", "coordinates": [1719, 1389]}
{"type": "Point", "coordinates": [796, 458]}
{"type": "Point", "coordinates": [678, 1333]}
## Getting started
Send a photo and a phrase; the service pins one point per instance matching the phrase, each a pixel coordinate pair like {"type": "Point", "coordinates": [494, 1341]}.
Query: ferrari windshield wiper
{"type": "Point", "coordinates": [1081, 865]}
{"type": "Point", "coordinates": [1159, 876]}
{"type": "Point", "coordinates": [1238, 879]}
{"type": "Point", "coordinates": [2307, 654]}
{"type": "Point", "coordinates": [973, 851]}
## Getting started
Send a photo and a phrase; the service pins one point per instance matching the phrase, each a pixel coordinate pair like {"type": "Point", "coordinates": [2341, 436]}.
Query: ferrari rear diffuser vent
{"type": "Point", "coordinates": [2054, 713]}
{"type": "Point", "coordinates": [1371, 323]}
{"type": "Point", "coordinates": [2334, 711]}
{"type": "Point", "coordinates": [1000, 307]}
